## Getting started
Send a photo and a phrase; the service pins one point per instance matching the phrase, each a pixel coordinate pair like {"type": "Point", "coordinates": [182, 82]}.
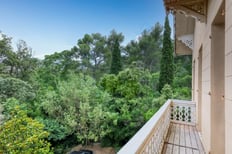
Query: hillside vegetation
{"type": "Point", "coordinates": [98, 91]}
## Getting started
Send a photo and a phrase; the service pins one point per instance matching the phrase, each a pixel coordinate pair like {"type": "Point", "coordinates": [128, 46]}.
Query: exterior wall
{"type": "Point", "coordinates": [218, 86]}
{"type": "Point", "coordinates": [202, 38]}
{"type": "Point", "coordinates": [228, 78]}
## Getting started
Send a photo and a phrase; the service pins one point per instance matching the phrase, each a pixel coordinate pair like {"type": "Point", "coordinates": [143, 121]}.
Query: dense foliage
{"type": "Point", "coordinates": [16, 64]}
{"type": "Point", "coordinates": [13, 87]}
{"type": "Point", "coordinates": [131, 93]}
{"type": "Point", "coordinates": [98, 91]}
{"type": "Point", "coordinates": [22, 135]}
{"type": "Point", "coordinates": [116, 65]}
{"type": "Point", "coordinates": [77, 105]}
{"type": "Point", "coordinates": [167, 66]}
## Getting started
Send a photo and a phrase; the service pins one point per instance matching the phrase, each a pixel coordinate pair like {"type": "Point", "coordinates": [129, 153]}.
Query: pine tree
{"type": "Point", "coordinates": [116, 65]}
{"type": "Point", "coordinates": [167, 64]}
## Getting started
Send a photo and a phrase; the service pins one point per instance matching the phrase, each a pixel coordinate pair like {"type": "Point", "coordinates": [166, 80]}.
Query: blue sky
{"type": "Point", "coordinates": [50, 26]}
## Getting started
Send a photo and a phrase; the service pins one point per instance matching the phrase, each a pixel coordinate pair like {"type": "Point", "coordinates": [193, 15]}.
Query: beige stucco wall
{"type": "Point", "coordinates": [203, 38]}
{"type": "Point", "coordinates": [228, 78]}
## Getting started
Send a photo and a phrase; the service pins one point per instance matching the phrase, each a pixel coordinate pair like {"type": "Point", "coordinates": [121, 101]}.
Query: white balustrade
{"type": "Point", "coordinates": [150, 138]}
{"type": "Point", "coordinates": [183, 112]}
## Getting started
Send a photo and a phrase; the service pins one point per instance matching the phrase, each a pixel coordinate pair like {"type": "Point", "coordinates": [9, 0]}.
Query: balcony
{"type": "Point", "coordinates": [171, 130]}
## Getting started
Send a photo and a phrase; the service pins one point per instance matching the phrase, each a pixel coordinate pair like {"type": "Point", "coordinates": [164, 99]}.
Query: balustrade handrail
{"type": "Point", "coordinates": [140, 138]}
{"type": "Point", "coordinates": [150, 138]}
{"type": "Point", "coordinates": [185, 102]}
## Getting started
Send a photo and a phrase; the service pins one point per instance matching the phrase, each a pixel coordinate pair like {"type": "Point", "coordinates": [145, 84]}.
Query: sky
{"type": "Point", "coordinates": [50, 26]}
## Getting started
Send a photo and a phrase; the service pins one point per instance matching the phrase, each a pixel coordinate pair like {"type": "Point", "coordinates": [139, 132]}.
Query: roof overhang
{"type": "Point", "coordinates": [185, 13]}
{"type": "Point", "coordinates": [194, 8]}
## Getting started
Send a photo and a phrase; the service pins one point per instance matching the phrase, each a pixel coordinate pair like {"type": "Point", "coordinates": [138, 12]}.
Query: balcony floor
{"type": "Point", "coordinates": [182, 139]}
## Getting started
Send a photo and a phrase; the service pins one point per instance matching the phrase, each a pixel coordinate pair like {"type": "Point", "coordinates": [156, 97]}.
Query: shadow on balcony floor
{"type": "Point", "coordinates": [182, 139]}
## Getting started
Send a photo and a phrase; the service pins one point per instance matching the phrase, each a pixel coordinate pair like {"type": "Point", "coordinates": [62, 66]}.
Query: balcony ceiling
{"type": "Point", "coordinates": [184, 30]}
{"type": "Point", "coordinates": [194, 8]}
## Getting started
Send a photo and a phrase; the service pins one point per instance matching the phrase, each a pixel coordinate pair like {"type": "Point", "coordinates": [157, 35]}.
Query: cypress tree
{"type": "Point", "coordinates": [167, 64]}
{"type": "Point", "coordinates": [116, 65]}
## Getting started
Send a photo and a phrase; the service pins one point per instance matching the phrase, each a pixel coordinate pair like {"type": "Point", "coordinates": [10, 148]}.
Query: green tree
{"type": "Point", "coordinates": [147, 49]}
{"type": "Point", "coordinates": [92, 126]}
{"type": "Point", "coordinates": [57, 131]}
{"type": "Point", "coordinates": [116, 65]}
{"type": "Point", "coordinates": [114, 41]}
{"type": "Point", "coordinates": [7, 56]}
{"type": "Point", "coordinates": [132, 95]}
{"type": "Point", "coordinates": [167, 66]}
{"type": "Point", "coordinates": [23, 135]}
{"type": "Point", "coordinates": [182, 82]}
{"type": "Point", "coordinates": [25, 64]}
{"type": "Point", "coordinates": [18, 64]}
{"type": "Point", "coordinates": [13, 87]}
{"type": "Point", "coordinates": [57, 66]}
{"type": "Point", "coordinates": [77, 106]}
{"type": "Point", "coordinates": [157, 102]}
{"type": "Point", "coordinates": [94, 55]}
